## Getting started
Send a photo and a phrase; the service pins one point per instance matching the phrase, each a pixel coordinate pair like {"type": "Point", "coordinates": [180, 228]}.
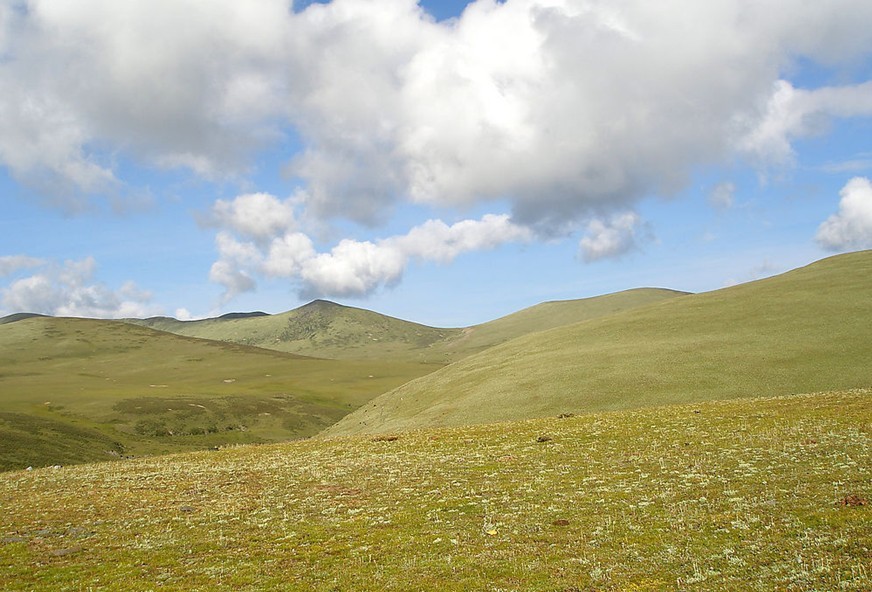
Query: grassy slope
{"type": "Point", "coordinates": [749, 494]}
{"type": "Point", "coordinates": [320, 329]}
{"type": "Point", "coordinates": [547, 315]}
{"type": "Point", "coordinates": [802, 331]}
{"type": "Point", "coordinates": [73, 389]}
{"type": "Point", "coordinates": [329, 330]}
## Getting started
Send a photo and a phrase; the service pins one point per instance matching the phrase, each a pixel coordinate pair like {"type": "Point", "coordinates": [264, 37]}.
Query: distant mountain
{"type": "Point", "coordinates": [19, 316]}
{"type": "Point", "coordinates": [320, 329]}
{"type": "Point", "coordinates": [242, 315]}
{"type": "Point", "coordinates": [802, 331]}
{"type": "Point", "coordinates": [325, 329]}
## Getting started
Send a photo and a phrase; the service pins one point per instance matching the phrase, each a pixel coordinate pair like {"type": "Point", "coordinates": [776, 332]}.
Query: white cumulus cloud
{"type": "Point", "coordinates": [70, 289]}
{"type": "Point", "coordinates": [851, 227]}
{"type": "Point", "coordinates": [795, 113]}
{"type": "Point", "coordinates": [351, 268]}
{"type": "Point", "coordinates": [561, 107]}
{"type": "Point", "coordinates": [254, 215]}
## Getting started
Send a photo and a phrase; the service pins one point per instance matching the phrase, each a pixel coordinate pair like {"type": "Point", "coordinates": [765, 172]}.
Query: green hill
{"type": "Point", "coordinates": [748, 494]}
{"type": "Point", "coordinates": [75, 390]}
{"type": "Point", "coordinates": [329, 330]}
{"type": "Point", "coordinates": [320, 329]}
{"type": "Point", "coordinates": [547, 315]}
{"type": "Point", "coordinates": [802, 331]}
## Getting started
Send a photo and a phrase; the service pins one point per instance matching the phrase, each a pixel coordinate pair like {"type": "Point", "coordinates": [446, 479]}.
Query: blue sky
{"type": "Point", "coordinates": [437, 162]}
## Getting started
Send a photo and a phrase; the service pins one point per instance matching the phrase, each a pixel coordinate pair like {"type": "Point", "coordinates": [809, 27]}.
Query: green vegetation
{"type": "Point", "coordinates": [328, 330]}
{"type": "Point", "coordinates": [748, 494]}
{"type": "Point", "coordinates": [320, 329]}
{"type": "Point", "coordinates": [547, 315]}
{"type": "Point", "coordinates": [75, 390]}
{"type": "Point", "coordinates": [803, 331]}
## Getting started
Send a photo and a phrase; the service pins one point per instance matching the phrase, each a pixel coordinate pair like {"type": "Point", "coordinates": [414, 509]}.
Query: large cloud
{"type": "Point", "coordinates": [70, 289]}
{"type": "Point", "coordinates": [851, 227]}
{"type": "Point", "coordinates": [562, 107]}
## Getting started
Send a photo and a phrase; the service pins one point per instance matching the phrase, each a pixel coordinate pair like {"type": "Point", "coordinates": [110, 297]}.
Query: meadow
{"type": "Point", "coordinates": [83, 390]}
{"type": "Point", "coordinates": [325, 329]}
{"type": "Point", "coordinates": [803, 331]}
{"type": "Point", "coordinates": [78, 390]}
{"type": "Point", "coordinates": [747, 494]}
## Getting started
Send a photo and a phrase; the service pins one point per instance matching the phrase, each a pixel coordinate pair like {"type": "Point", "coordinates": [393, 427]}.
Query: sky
{"type": "Point", "coordinates": [442, 162]}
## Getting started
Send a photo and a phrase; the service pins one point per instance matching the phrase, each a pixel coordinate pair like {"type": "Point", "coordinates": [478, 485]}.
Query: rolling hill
{"type": "Point", "coordinates": [75, 390]}
{"type": "Point", "coordinates": [328, 330]}
{"type": "Point", "coordinates": [321, 329]}
{"type": "Point", "coordinates": [805, 330]}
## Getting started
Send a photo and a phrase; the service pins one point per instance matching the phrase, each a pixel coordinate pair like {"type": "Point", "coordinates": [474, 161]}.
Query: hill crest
{"type": "Point", "coordinates": [801, 331]}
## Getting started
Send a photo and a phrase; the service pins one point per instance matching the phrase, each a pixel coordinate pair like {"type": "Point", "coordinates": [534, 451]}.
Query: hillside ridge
{"type": "Point", "coordinates": [805, 330]}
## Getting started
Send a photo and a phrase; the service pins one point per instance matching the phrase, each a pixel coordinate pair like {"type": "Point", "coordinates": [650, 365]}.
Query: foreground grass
{"type": "Point", "coordinates": [755, 494]}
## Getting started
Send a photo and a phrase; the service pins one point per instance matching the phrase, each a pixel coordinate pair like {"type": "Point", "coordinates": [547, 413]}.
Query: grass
{"type": "Point", "coordinates": [803, 331]}
{"type": "Point", "coordinates": [75, 390]}
{"type": "Point", "coordinates": [547, 315]}
{"type": "Point", "coordinates": [328, 330]}
{"type": "Point", "coordinates": [320, 329]}
{"type": "Point", "coordinates": [750, 494]}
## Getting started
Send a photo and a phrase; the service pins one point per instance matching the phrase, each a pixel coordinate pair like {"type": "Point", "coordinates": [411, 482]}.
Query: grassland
{"type": "Point", "coordinates": [803, 331]}
{"type": "Point", "coordinates": [329, 330]}
{"type": "Point", "coordinates": [749, 494]}
{"type": "Point", "coordinates": [75, 390]}
{"type": "Point", "coordinates": [320, 329]}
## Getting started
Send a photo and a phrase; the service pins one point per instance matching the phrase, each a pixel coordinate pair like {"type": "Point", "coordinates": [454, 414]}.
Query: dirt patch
{"type": "Point", "coordinates": [853, 501]}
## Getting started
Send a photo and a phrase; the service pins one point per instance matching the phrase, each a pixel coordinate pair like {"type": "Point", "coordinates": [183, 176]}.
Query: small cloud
{"type": "Point", "coordinates": [259, 216]}
{"type": "Point", "coordinates": [183, 314]}
{"type": "Point", "coordinates": [851, 227]}
{"type": "Point", "coordinates": [797, 113]}
{"type": "Point", "coordinates": [856, 165]}
{"type": "Point", "coordinates": [722, 196]}
{"type": "Point", "coordinates": [9, 264]}
{"type": "Point", "coordinates": [612, 237]}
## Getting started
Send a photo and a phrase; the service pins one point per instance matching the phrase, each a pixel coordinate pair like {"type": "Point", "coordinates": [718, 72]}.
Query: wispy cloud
{"type": "Point", "coordinates": [722, 196]}
{"type": "Point", "coordinates": [855, 165]}
{"type": "Point", "coordinates": [9, 264]}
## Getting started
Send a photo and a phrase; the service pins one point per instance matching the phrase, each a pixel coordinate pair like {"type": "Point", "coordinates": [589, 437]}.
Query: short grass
{"type": "Point", "coordinates": [750, 494]}
{"type": "Point", "coordinates": [320, 329]}
{"type": "Point", "coordinates": [547, 315]}
{"type": "Point", "coordinates": [76, 390]}
{"type": "Point", "coordinates": [329, 330]}
{"type": "Point", "coordinates": [803, 331]}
